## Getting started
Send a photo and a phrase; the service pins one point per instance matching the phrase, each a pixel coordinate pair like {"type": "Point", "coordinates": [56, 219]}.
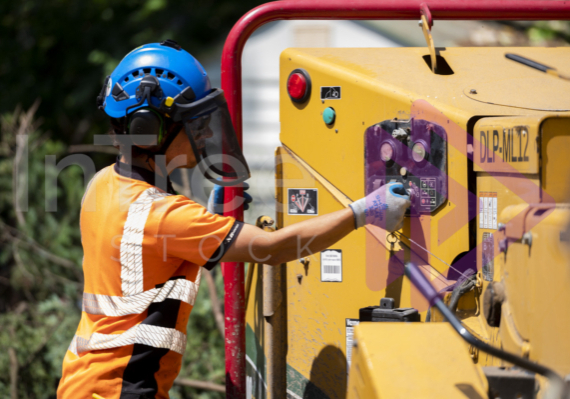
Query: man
{"type": "Point", "coordinates": [144, 245]}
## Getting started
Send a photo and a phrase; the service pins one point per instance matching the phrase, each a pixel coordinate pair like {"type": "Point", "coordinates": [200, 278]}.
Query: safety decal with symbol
{"type": "Point", "coordinates": [330, 92]}
{"type": "Point", "coordinates": [303, 201]}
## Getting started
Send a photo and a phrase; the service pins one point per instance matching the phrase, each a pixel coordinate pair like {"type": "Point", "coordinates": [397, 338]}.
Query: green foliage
{"type": "Point", "coordinates": [61, 50]}
{"type": "Point", "coordinates": [39, 336]}
{"type": "Point", "coordinates": [40, 258]}
{"type": "Point", "coordinates": [545, 33]}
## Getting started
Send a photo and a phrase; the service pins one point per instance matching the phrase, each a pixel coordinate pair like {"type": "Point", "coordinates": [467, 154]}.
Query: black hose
{"type": "Point", "coordinates": [558, 388]}
{"type": "Point", "coordinates": [462, 288]}
{"type": "Point", "coordinates": [459, 288]}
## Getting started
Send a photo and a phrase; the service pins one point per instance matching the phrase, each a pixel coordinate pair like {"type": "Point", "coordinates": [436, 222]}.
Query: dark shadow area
{"type": "Point", "coordinates": [394, 290]}
{"type": "Point", "coordinates": [443, 67]}
{"type": "Point", "coordinates": [328, 375]}
{"type": "Point", "coordinates": [469, 391]}
{"type": "Point", "coordinates": [461, 264]}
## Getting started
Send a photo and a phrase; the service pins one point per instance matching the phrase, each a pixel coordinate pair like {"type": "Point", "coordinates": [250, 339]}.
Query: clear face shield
{"type": "Point", "coordinates": [209, 128]}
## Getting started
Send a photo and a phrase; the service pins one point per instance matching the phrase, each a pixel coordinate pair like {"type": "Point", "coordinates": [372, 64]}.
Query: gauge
{"type": "Point", "coordinates": [386, 152]}
{"type": "Point", "coordinates": [418, 152]}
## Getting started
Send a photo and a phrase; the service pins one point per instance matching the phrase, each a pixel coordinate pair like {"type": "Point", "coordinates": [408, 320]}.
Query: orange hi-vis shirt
{"type": "Point", "coordinates": [143, 253]}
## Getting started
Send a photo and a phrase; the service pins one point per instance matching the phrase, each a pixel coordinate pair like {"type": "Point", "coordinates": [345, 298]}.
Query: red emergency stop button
{"type": "Point", "coordinates": [299, 85]}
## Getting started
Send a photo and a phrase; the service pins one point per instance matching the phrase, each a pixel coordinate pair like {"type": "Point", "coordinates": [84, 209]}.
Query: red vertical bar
{"type": "Point", "coordinates": [233, 272]}
{"type": "Point", "coordinates": [341, 10]}
{"type": "Point", "coordinates": [234, 314]}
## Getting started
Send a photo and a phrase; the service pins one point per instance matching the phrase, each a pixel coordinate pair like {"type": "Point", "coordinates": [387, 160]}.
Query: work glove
{"type": "Point", "coordinates": [384, 207]}
{"type": "Point", "coordinates": [216, 199]}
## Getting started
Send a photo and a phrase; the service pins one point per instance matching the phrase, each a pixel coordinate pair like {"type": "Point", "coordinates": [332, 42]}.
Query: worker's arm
{"type": "Point", "coordinates": [292, 242]}
{"type": "Point", "coordinates": [384, 207]}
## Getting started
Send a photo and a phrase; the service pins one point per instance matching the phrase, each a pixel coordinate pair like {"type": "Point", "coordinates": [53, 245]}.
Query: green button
{"type": "Point", "coordinates": [329, 116]}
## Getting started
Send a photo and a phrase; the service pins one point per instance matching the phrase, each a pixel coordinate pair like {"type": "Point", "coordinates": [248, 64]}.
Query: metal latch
{"type": "Point", "coordinates": [426, 23]}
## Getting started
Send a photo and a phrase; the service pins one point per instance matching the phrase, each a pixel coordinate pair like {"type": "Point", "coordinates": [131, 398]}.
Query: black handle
{"type": "Point", "coordinates": [528, 62]}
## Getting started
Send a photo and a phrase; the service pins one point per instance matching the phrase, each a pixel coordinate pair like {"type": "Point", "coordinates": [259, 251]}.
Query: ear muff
{"type": "Point", "coordinates": [146, 121]}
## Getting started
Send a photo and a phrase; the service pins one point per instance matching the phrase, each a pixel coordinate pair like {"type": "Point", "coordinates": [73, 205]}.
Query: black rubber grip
{"type": "Point", "coordinates": [527, 62]}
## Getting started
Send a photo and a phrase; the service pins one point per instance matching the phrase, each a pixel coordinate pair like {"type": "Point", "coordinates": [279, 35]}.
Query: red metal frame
{"type": "Point", "coordinates": [332, 9]}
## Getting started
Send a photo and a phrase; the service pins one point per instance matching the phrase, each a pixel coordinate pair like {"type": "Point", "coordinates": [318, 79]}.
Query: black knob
{"type": "Point", "coordinates": [387, 303]}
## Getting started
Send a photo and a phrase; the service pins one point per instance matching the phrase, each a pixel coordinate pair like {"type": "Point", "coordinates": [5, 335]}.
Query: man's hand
{"type": "Point", "coordinates": [216, 199]}
{"type": "Point", "coordinates": [384, 207]}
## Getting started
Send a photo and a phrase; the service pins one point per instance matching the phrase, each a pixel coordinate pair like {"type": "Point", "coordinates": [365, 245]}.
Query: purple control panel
{"type": "Point", "coordinates": [413, 152]}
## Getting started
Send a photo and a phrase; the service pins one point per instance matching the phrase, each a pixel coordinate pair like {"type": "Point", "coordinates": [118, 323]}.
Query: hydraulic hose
{"type": "Point", "coordinates": [557, 388]}
{"type": "Point", "coordinates": [462, 288]}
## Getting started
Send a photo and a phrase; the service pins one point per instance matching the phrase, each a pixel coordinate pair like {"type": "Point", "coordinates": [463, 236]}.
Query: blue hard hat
{"type": "Point", "coordinates": [176, 71]}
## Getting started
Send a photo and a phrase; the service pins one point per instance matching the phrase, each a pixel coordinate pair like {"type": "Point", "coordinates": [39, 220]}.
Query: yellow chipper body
{"type": "Point", "coordinates": [484, 145]}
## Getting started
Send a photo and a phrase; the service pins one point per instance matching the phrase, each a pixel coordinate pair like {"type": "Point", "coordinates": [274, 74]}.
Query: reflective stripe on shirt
{"type": "Point", "coordinates": [157, 337]}
{"type": "Point", "coordinates": [131, 243]}
{"type": "Point", "coordinates": [182, 290]}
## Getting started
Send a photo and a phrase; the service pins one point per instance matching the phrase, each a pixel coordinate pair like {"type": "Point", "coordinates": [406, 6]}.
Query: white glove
{"type": "Point", "coordinates": [384, 207]}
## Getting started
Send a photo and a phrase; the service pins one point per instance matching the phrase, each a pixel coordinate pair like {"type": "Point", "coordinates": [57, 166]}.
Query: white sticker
{"type": "Point", "coordinates": [350, 323]}
{"type": "Point", "coordinates": [485, 213]}
{"type": "Point", "coordinates": [490, 214]}
{"type": "Point", "coordinates": [331, 265]}
{"type": "Point", "coordinates": [495, 213]}
{"type": "Point", "coordinates": [488, 209]}
{"type": "Point", "coordinates": [481, 212]}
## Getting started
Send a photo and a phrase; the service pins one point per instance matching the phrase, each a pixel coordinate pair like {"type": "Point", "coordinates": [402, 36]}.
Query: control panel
{"type": "Point", "coordinates": [413, 152]}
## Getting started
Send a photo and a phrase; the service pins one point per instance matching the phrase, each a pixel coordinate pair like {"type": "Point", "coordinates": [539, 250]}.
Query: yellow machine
{"type": "Point", "coordinates": [484, 145]}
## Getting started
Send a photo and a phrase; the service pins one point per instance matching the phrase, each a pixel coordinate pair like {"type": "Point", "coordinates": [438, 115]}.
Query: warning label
{"type": "Point", "coordinates": [331, 265]}
{"type": "Point", "coordinates": [350, 323]}
{"type": "Point", "coordinates": [488, 210]}
{"type": "Point", "coordinates": [488, 257]}
{"type": "Point", "coordinates": [303, 201]}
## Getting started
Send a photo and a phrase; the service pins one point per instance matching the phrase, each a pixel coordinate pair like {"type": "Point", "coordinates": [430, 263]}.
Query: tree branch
{"type": "Point", "coordinates": [22, 237]}
{"type": "Point", "coordinates": [14, 368]}
{"type": "Point", "coordinates": [206, 385]}
{"type": "Point", "coordinates": [216, 306]}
